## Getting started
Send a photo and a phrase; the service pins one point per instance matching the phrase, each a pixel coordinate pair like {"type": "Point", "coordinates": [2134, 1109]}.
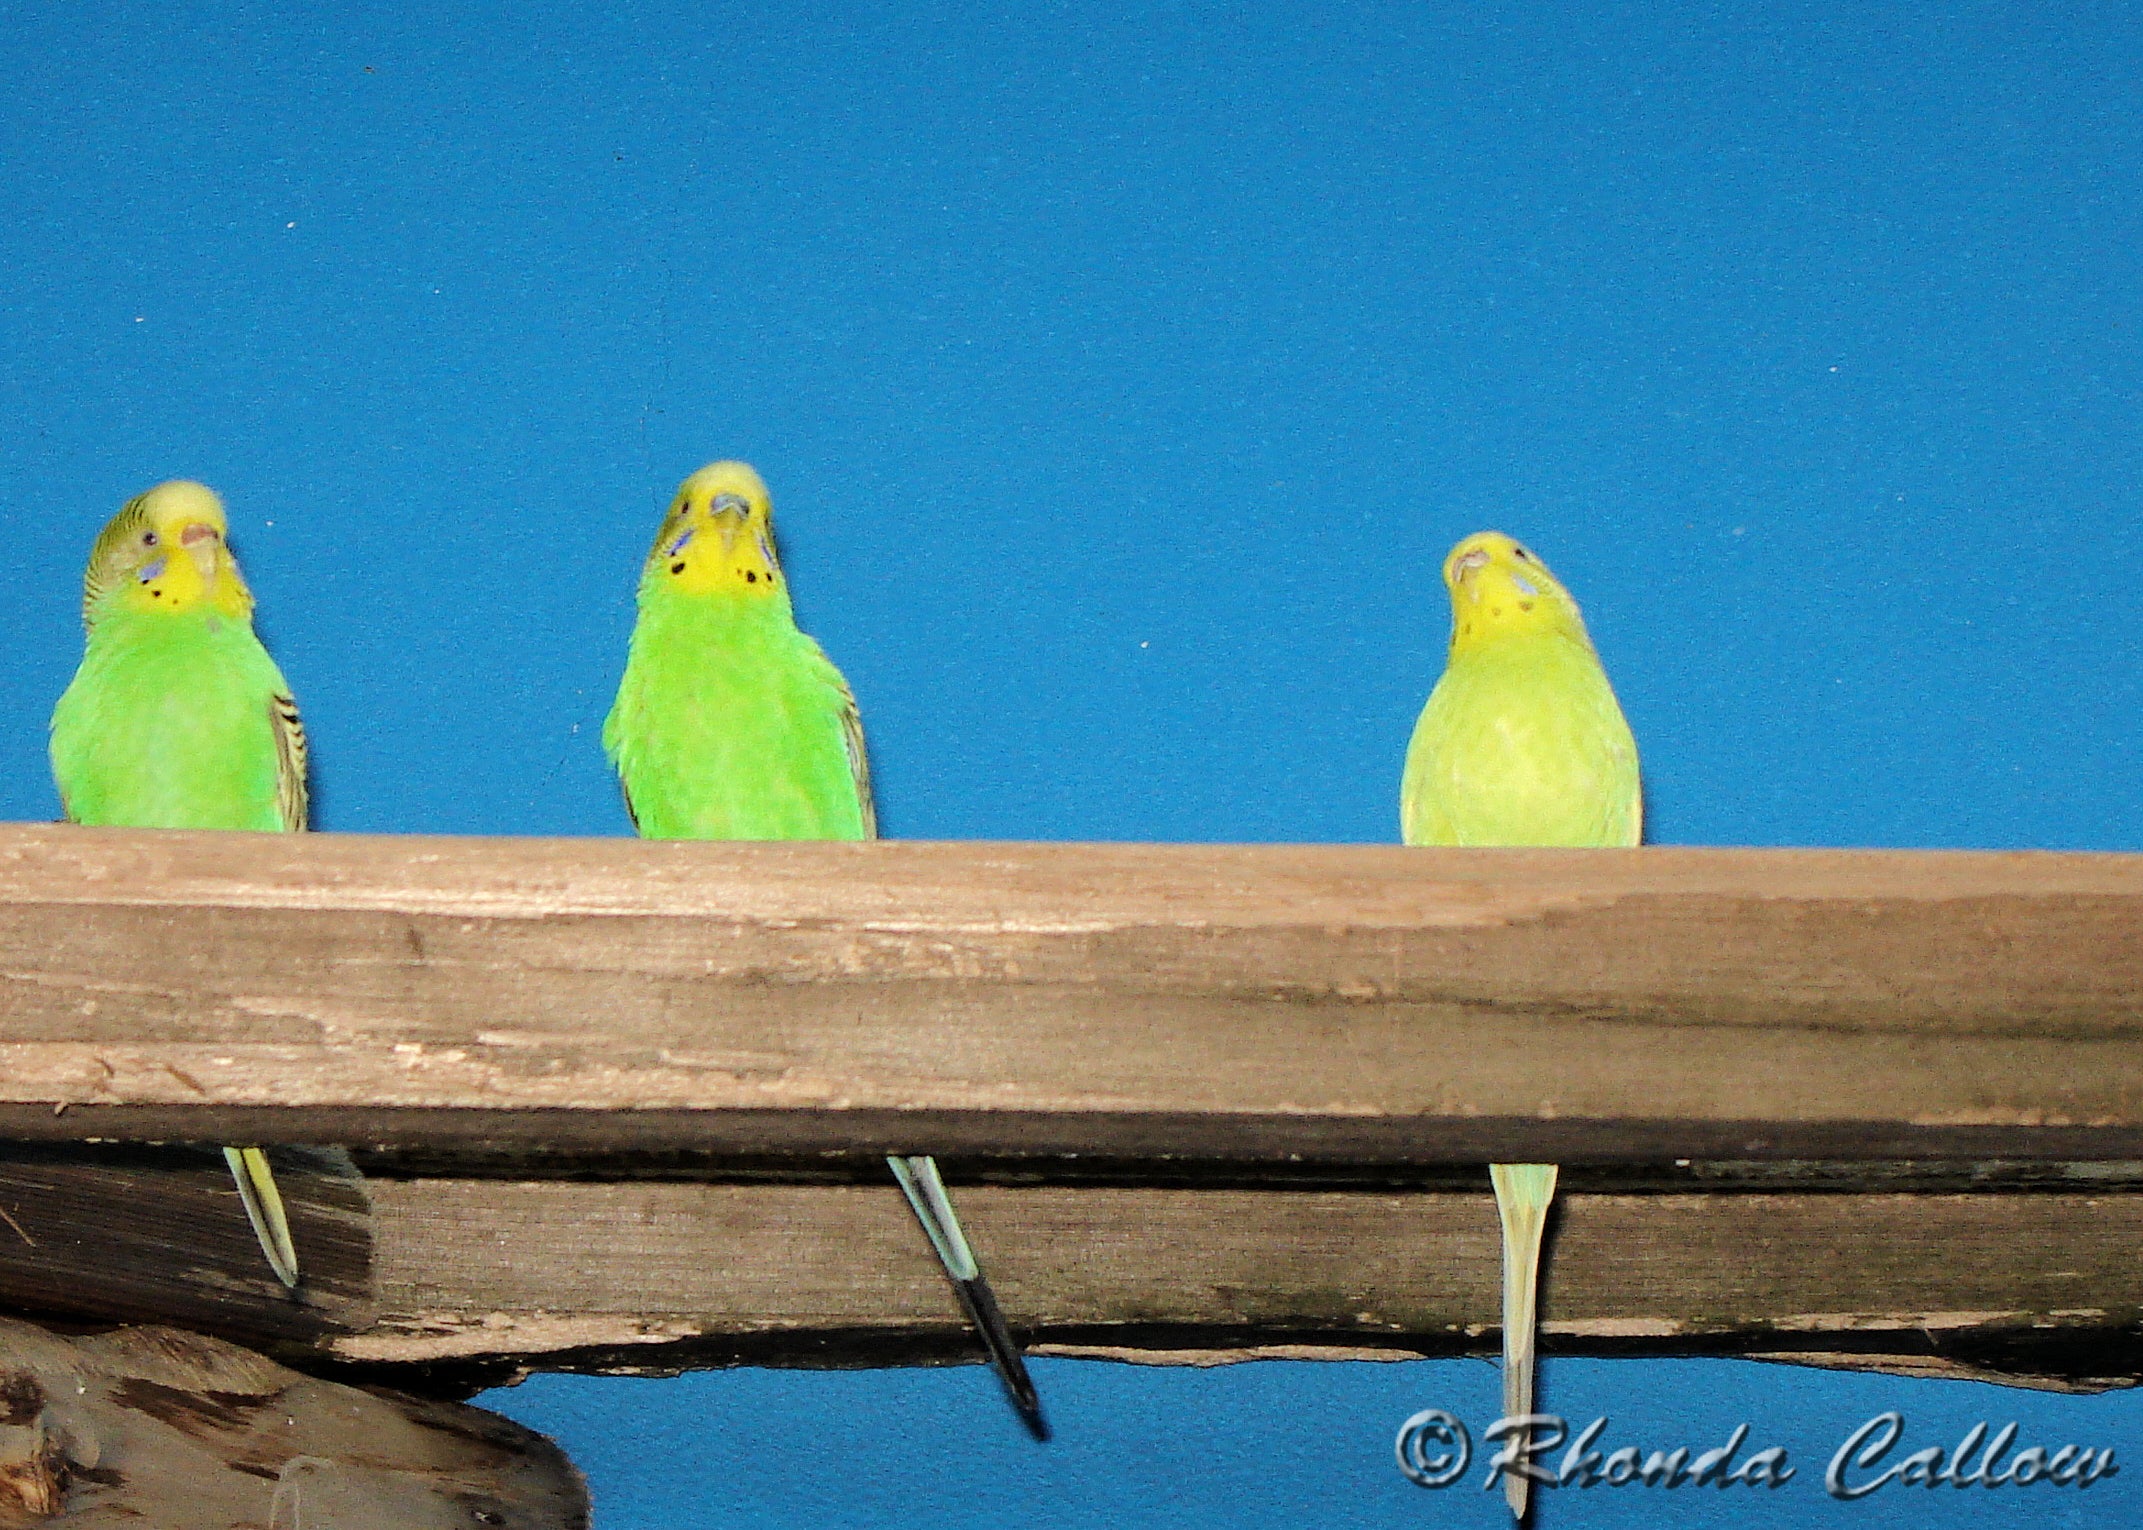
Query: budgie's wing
{"type": "Point", "coordinates": [925, 1190]}
{"type": "Point", "coordinates": [291, 796]}
{"type": "Point", "coordinates": [619, 733]}
{"type": "Point", "coordinates": [859, 761]}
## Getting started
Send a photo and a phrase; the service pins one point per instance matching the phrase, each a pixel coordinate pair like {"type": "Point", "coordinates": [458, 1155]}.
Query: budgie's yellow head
{"type": "Point", "coordinates": [166, 550]}
{"type": "Point", "coordinates": [1498, 589]}
{"type": "Point", "coordinates": [718, 538]}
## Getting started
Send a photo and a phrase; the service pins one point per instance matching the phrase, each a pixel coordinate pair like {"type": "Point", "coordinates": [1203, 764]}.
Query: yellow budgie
{"type": "Point", "coordinates": [1522, 743]}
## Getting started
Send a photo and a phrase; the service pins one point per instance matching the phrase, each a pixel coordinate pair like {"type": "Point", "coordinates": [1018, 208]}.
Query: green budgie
{"type": "Point", "coordinates": [1521, 743]}
{"type": "Point", "coordinates": [178, 719]}
{"type": "Point", "coordinates": [732, 724]}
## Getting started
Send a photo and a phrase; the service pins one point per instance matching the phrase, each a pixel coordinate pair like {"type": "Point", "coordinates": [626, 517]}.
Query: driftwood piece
{"type": "Point", "coordinates": [155, 1426]}
{"type": "Point", "coordinates": [1349, 1004]}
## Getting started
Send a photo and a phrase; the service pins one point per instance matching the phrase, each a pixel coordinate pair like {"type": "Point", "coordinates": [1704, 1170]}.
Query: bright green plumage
{"type": "Point", "coordinates": [178, 719]}
{"type": "Point", "coordinates": [1521, 743]}
{"type": "Point", "coordinates": [169, 724]}
{"type": "Point", "coordinates": [732, 724]}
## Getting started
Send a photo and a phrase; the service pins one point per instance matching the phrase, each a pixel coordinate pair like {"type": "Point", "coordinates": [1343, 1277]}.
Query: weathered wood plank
{"type": "Point", "coordinates": [1345, 1003]}
{"type": "Point", "coordinates": [661, 1275]}
{"type": "Point", "coordinates": [156, 1234]}
{"type": "Point", "coordinates": [417, 1276]}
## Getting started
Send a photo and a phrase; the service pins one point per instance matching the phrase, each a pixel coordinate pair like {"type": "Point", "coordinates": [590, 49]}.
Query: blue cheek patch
{"type": "Point", "coordinates": [1524, 584]}
{"type": "Point", "coordinates": [678, 546]}
{"type": "Point", "coordinates": [150, 570]}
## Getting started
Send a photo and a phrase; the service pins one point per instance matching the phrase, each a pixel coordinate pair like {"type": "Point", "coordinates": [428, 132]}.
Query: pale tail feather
{"type": "Point", "coordinates": [919, 1181]}
{"type": "Point", "coordinates": [1523, 1191]}
{"type": "Point", "coordinates": [264, 1209]}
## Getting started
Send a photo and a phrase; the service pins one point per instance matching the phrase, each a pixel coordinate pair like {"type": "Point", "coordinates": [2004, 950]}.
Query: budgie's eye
{"type": "Point", "coordinates": [1522, 553]}
{"type": "Point", "coordinates": [148, 539]}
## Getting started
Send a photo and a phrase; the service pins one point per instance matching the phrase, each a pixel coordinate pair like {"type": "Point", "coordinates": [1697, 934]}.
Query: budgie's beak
{"type": "Point", "coordinates": [204, 544]}
{"type": "Point", "coordinates": [729, 512]}
{"type": "Point", "coordinates": [1464, 573]}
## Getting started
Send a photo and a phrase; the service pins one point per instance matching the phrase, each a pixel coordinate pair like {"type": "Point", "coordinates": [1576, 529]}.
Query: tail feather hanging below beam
{"type": "Point", "coordinates": [920, 1182]}
{"type": "Point", "coordinates": [1523, 1194]}
{"type": "Point", "coordinates": [264, 1209]}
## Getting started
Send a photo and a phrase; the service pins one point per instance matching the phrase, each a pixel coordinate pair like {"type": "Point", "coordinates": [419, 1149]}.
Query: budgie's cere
{"type": "Point", "coordinates": [178, 719]}
{"type": "Point", "coordinates": [732, 724]}
{"type": "Point", "coordinates": [1521, 743]}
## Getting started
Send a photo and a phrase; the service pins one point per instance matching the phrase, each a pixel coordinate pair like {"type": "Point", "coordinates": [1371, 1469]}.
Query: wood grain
{"type": "Point", "coordinates": [655, 1275]}
{"type": "Point", "coordinates": [157, 1234]}
{"type": "Point", "coordinates": [442, 1281]}
{"type": "Point", "coordinates": [1357, 1004]}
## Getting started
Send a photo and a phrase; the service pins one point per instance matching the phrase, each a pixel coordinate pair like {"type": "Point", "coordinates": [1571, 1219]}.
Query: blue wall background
{"type": "Point", "coordinates": [1122, 379]}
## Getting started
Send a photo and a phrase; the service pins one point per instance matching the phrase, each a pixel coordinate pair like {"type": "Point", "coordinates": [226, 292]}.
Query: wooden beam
{"type": "Point", "coordinates": [141, 1234]}
{"type": "Point", "coordinates": [657, 1276]}
{"type": "Point", "coordinates": [431, 1282]}
{"type": "Point", "coordinates": [1359, 1004]}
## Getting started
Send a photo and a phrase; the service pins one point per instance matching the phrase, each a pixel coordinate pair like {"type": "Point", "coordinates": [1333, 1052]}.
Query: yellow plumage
{"type": "Point", "coordinates": [1521, 743]}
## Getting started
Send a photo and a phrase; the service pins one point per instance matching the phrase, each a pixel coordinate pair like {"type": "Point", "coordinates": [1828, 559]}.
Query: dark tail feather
{"type": "Point", "coordinates": [919, 1181]}
{"type": "Point", "coordinates": [1005, 1358]}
